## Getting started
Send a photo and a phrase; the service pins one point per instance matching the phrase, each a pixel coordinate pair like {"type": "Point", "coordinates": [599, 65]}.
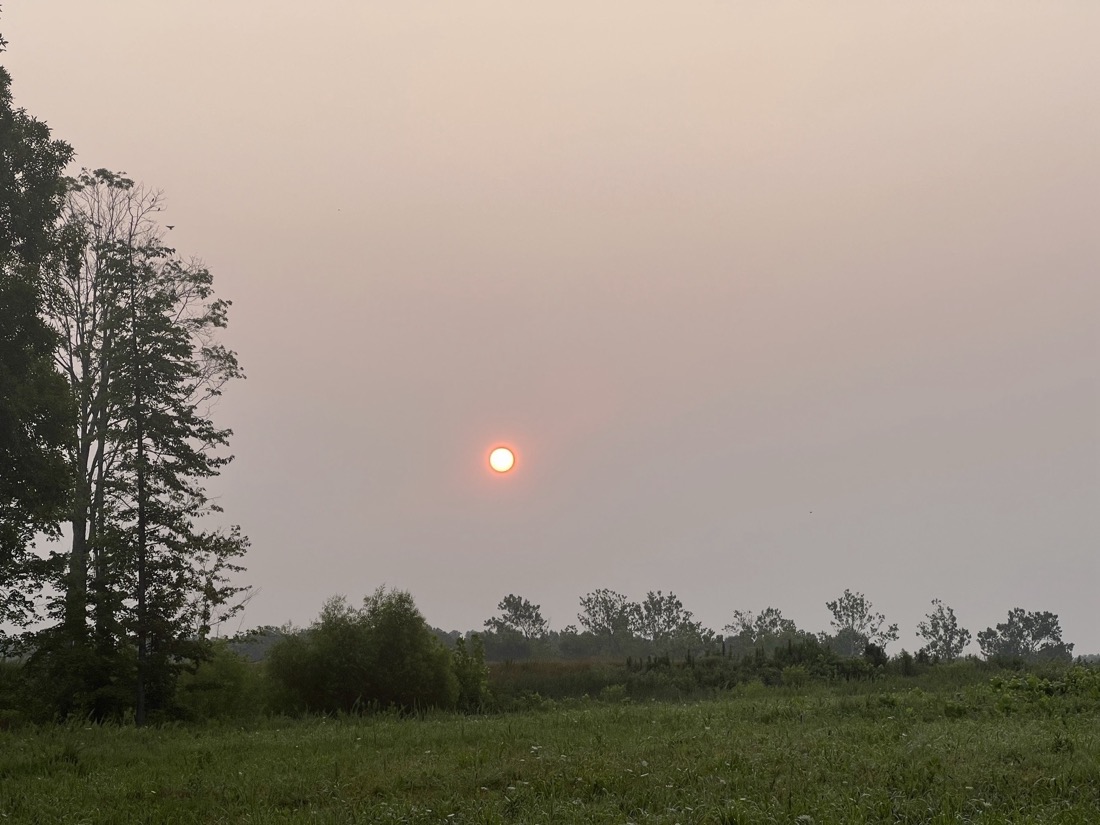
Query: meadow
{"type": "Point", "coordinates": [1021, 749]}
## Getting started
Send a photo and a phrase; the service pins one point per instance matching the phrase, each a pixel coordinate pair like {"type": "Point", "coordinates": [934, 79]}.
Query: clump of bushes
{"type": "Point", "coordinates": [382, 655]}
{"type": "Point", "coordinates": [224, 686]}
{"type": "Point", "coordinates": [1077, 688]}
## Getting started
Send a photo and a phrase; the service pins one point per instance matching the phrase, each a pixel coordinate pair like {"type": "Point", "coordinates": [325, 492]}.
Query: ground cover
{"type": "Point", "coordinates": [1013, 751]}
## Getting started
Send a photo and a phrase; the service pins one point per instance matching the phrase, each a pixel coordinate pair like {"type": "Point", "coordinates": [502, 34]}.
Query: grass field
{"type": "Point", "coordinates": [817, 755]}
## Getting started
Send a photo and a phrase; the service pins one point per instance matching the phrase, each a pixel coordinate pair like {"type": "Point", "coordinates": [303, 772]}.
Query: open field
{"type": "Point", "coordinates": [1016, 754]}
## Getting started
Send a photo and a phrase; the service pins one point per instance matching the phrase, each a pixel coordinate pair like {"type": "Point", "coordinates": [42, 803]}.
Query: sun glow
{"type": "Point", "coordinates": [501, 459]}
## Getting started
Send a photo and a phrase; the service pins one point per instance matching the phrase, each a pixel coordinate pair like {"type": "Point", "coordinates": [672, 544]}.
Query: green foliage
{"type": "Point", "coordinates": [945, 639]}
{"type": "Point", "coordinates": [587, 645]}
{"type": "Point", "coordinates": [863, 753]}
{"type": "Point", "coordinates": [293, 677]}
{"type": "Point", "coordinates": [225, 686]}
{"type": "Point", "coordinates": [472, 674]}
{"type": "Point", "coordinates": [795, 676]}
{"type": "Point", "coordinates": [1029, 636]}
{"type": "Point", "coordinates": [768, 630]}
{"type": "Point", "coordinates": [1075, 689]}
{"type": "Point", "coordinates": [381, 655]}
{"type": "Point", "coordinates": [13, 702]}
{"type": "Point", "coordinates": [875, 655]}
{"type": "Point", "coordinates": [906, 664]}
{"type": "Point", "coordinates": [35, 408]}
{"type": "Point", "coordinates": [254, 645]}
{"type": "Point", "coordinates": [411, 670]}
{"type": "Point", "coordinates": [517, 615]}
{"type": "Point", "coordinates": [855, 625]}
{"type": "Point", "coordinates": [662, 620]}
{"type": "Point", "coordinates": [511, 683]}
{"type": "Point", "coordinates": [607, 616]}
{"type": "Point", "coordinates": [519, 632]}
{"type": "Point", "coordinates": [756, 628]}
{"type": "Point", "coordinates": [136, 332]}
{"type": "Point", "coordinates": [508, 646]}
{"type": "Point", "coordinates": [79, 681]}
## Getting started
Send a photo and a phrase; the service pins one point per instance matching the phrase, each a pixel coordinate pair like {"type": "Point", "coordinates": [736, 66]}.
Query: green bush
{"type": "Point", "coordinates": [472, 674]}
{"type": "Point", "coordinates": [556, 680]}
{"type": "Point", "coordinates": [222, 687]}
{"type": "Point", "coordinates": [1077, 687]}
{"type": "Point", "coordinates": [408, 667]}
{"type": "Point", "coordinates": [79, 681]}
{"type": "Point", "coordinates": [382, 655]}
{"type": "Point", "coordinates": [795, 676]}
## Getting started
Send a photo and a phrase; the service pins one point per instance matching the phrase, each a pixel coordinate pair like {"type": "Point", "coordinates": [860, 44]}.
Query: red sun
{"type": "Point", "coordinates": [502, 459]}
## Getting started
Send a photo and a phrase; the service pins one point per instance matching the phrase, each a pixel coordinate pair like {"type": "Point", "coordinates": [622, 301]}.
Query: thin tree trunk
{"type": "Point", "coordinates": [139, 436]}
{"type": "Point", "coordinates": [76, 592]}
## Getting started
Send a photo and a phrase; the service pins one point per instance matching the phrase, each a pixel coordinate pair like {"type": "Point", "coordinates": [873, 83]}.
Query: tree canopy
{"type": "Point", "coordinates": [1028, 635]}
{"type": "Point", "coordinates": [856, 625]}
{"type": "Point", "coordinates": [940, 630]}
{"type": "Point", "coordinates": [34, 405]}
{"type": "Point", "coordinates": [382, 654]}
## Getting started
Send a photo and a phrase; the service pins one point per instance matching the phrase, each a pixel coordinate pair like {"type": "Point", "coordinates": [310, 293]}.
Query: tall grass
{"type": "Point", "coordinates": [1017, 750]}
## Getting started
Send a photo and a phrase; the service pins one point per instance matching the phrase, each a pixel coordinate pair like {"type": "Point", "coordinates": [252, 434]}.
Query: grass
{"type": "Point", "coordinates": [816, 755]}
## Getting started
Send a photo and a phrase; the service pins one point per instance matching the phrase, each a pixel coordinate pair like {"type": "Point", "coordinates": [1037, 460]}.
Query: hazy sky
{"type": "Point", "coordinates": [773, 299]}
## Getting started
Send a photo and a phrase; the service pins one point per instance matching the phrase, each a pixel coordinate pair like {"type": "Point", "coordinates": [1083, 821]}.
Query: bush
{"type": "Point", "coordinates": [222, 687]}
{"type": "Point", "coordinates": [472, 674]}
{"type": "Point", "coordinates": [65, 680]}
{"type": "Point", "coordinates": [551, 679]}
{"type": "Point", "coordinates": [795, 676]}
{"type": "Point", "coordinates": [382, 655]}
{"type": "Point", "coordinates": [407, 666]}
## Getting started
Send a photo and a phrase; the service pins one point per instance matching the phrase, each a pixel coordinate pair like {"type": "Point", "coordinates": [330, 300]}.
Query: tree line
{"type": "Point", "coordinates": [109, 365]}
{"type": "Point", "coordinates": [610, 624]}
{"type": "Point", "coordinates": [384, 655]}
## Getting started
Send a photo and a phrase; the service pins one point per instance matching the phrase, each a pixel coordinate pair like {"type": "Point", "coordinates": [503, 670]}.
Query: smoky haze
{"type": "Point", "coordinates": [773, 300]}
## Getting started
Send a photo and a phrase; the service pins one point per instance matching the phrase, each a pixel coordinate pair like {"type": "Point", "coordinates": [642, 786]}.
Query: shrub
{"type": "Point", "coordinates": [472, 674]}
{"type": "Point", "coordinates": [224, 686]}
{"type": "Point", "coordinates": [381, 655]}
{"type": "Point", "coordinates": [795, 676]}
{"type": "Point", "coordinates": [407, 667]}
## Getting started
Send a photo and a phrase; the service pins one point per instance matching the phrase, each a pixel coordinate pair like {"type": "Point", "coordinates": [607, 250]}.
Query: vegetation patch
{"type": "Point", "coordinates": [756, 754]}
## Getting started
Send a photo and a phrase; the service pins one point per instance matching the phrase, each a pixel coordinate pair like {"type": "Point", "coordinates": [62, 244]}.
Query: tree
{"type": "Point", "coordinates": [138, 330]}
{"type": "Point", "coordinates": [755, 629]}
{"type": "Point", "coordinates": [607, 615]}
{"type": "Point", "coordinates": [519, 616]}
{"type": "Point", "coordinates": [662, 620]}
{"type": "Point", "coordinates": [856, 625]}
{"type": "Point", "coordinates": [410, 669]}
{"type": "Point", "coordinates": [1031, 636]}
{"type": "Point", "coordinates": [766, 630]}
{"type": "Point", "coordinates": [382, 655]}
{"type": "Point", "coordinates": [945, 639]}
{"type": "Point", "coordinates": [34, 403]}
{"type": "Point", "coordinates": [573, 643]}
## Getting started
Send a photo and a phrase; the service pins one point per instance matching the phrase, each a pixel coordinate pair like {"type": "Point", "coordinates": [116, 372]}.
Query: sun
{"type": "Point", "coordinates": [501, 459]}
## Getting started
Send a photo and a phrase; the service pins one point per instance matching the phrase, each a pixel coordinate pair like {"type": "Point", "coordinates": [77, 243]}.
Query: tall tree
{"type": "Point", "coordinates": [857, 625]}
{"type": "Point", "coordinates": [138, 333]}
{"type": "Point", "coordinates": [945, 639]}
{"type": "Point", "coordinates": [34, 403]}
{"type": "Point", "coordinates": [767, 630]}
{"type": "Point", "coordinates": [757, 628]}
{"type": "Point", "coordinates": [607, 615]}
{"type": "Point", "coordinates": [518, 615]}
{"type": "Point", "coordinates": [1032, 636]}
{"type": "Point", "coordinates": [663, 620]}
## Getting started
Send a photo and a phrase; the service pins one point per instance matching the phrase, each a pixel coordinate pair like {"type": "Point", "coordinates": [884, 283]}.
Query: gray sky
{"type": "Point", "coordinates": [709, 267]}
